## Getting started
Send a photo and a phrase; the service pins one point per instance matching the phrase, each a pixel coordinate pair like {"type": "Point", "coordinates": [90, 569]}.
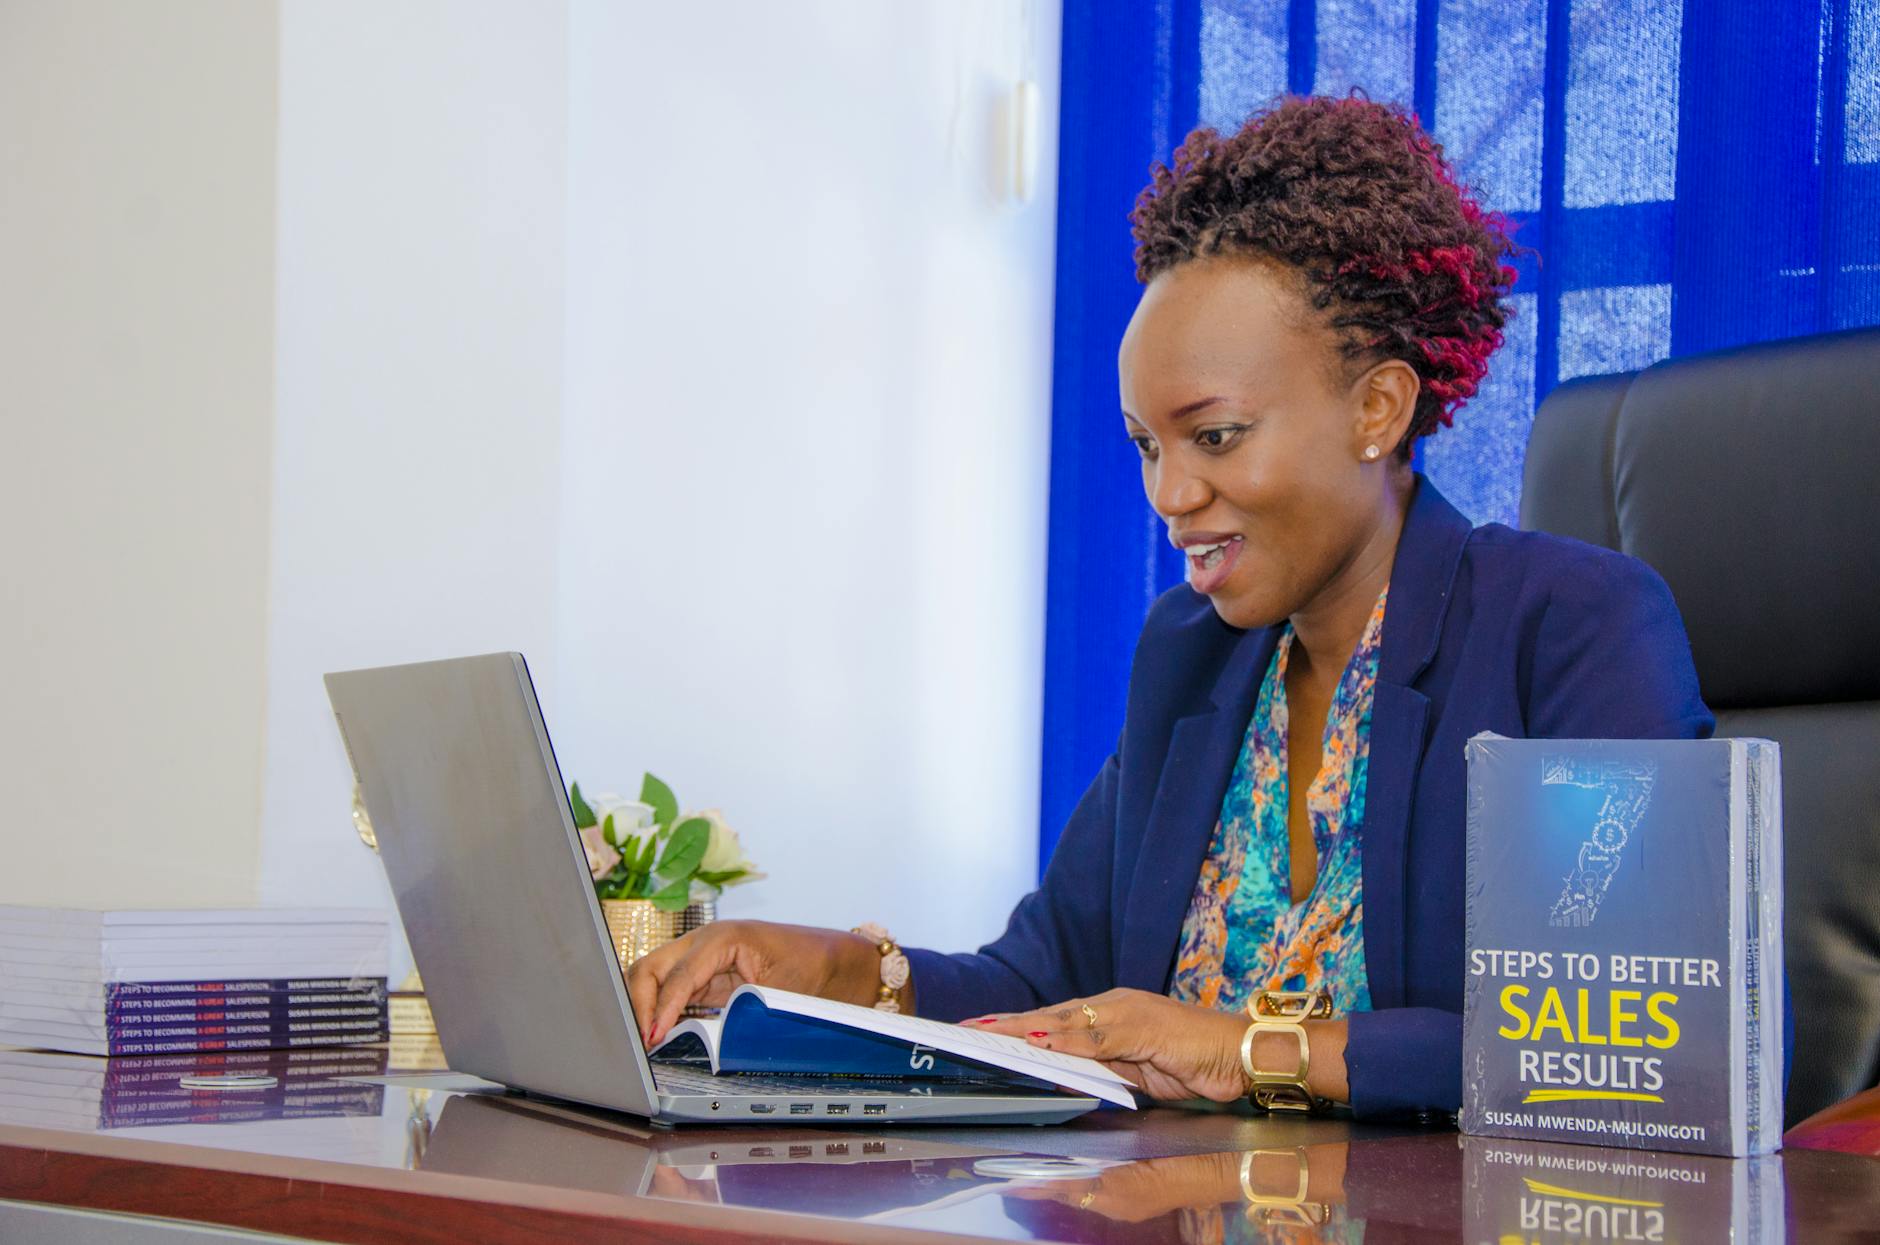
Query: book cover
{"type": "Point", "coordinates": [242, 1021]}
{"type": "Point", "coordinates": [176, 1004]}
{"type": "Point", "coordinates": [1623, 952]}
{"type": "Point", "coordinates": [124, 990]}
{"type": "Point", "coordinates": [768, 1030]}
{"type": "Point", "coordinates": [315, 1036]}
{"type": "Point", "coordinates": [204, 1011]}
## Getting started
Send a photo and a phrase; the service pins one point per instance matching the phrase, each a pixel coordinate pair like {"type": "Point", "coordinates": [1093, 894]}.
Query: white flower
{"type": "Point", "coordinates": [723, 852]}
{"type": "Point", "coordinates": [600, 856]}
{"type": "Point", "coordinates": [630, 816]}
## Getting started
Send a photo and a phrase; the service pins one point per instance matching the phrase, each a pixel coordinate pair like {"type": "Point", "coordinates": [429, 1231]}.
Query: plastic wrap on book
{"type": "Point", "coordinates": [1622, 979]}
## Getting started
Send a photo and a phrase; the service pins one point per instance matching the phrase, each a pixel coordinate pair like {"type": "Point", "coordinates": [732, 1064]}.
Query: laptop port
{"type": "Point", "coordinates": [838, 1108]}
{"type": "Point", "coordinates": [874, 1147]}
{"type": "Point", "coordinates": [801, 1108]}
{"type": "Point", "coordinates": [802, 1152]}
{"type": "Point", "coordinates": [874, 1108]}
{"type": "Point", "coordinates": [762, 1108]}
{"type": "Point", "coordinates": [838, 1148]}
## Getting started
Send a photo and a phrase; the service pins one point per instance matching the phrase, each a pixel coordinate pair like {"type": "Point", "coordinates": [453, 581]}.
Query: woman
{"type": "Point", "coordinates": [1284, 810]}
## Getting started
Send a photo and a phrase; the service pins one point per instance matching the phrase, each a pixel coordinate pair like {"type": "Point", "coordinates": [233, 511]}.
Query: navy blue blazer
{"type": "Point", "coordinates": [1488, 629]}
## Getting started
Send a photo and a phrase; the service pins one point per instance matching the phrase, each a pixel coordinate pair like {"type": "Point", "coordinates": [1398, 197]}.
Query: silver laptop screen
{"type": "Point", "coordinates": [491, 883]}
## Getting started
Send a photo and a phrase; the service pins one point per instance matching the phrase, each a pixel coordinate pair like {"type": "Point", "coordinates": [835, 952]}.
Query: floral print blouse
{"type": "Point", "coordinates": [1243, 934]}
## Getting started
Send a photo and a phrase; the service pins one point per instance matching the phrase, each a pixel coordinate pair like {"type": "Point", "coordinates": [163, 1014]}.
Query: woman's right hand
{"type": "Point", "coordinates": [706, 965]}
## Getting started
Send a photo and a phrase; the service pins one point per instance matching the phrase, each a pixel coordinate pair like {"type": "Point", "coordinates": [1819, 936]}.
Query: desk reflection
{"type": "Point", "coordinates": [1296, 1194]}
{"type": "Point", "coordinates": [302, 1102]}
{"type": "Point", "coordinates": [1158, 1175]}
{"type": "Point", "coordinates": [1431, 1186]}
{"type": "Point", "coordinates": [1535, 1191]}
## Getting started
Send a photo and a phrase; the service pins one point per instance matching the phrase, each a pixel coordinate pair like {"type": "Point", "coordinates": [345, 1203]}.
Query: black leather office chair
{"type": "Point", "coordinates": [1750, 479]}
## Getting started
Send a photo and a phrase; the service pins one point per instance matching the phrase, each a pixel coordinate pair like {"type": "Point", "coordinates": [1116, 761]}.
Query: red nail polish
{"type": "Point", "coordinates": [1039, 1033]}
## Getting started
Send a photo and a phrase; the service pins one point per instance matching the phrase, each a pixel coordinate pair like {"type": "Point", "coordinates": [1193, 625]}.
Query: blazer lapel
{"type": "Point", "coordinates": [1398, 718]}
{"type": "Point", "coordinates": [1422, 579]}
{"type": "Point", "coordinates": [1195, 772]}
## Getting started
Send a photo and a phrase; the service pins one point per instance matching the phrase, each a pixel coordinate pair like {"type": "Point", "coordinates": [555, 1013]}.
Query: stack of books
{"type": "Point", "coordinates": [142, 982]}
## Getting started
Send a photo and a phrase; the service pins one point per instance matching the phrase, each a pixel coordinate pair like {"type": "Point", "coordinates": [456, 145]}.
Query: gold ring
{"type": "Point", "coordinates": [1083, 1203]}
{"type": "Point", "coordinates": [1090, 1016]}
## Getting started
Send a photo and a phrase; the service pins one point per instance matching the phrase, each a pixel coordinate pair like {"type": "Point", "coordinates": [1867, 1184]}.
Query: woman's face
{"type": "Point", "coordinates": [1252, 440]}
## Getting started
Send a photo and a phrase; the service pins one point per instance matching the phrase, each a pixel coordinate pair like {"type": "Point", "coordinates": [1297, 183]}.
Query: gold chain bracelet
{"type": "Point", "coordinates": [1281, 1011]}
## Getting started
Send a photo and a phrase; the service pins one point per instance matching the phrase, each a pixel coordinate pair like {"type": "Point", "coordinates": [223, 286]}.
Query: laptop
{"type": "Point", "coordinates": [479, 843]}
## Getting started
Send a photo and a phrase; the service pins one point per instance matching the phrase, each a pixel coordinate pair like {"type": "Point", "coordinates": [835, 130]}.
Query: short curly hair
{"type": "Point", "coordinates": [1357, 198]}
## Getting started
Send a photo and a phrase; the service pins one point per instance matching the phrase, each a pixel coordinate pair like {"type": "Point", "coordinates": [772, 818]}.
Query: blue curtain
{"type": "Point", "coordinates": [1692, 176]}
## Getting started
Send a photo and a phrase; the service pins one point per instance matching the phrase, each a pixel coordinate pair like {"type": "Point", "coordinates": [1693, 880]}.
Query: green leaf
{"type": "Point", "coordinates": [674, 896]}
{"type": "Point", "coordinates": [685, 848]}
{"type": "Point", "coordinates": [721, 877]}
{"type": "Point", "coordinates": [609, 884]}
{"type": "Point", "coordinates": [629, 850]}
{"type": "Point", "coordinates": [607, 831]}
{"type": "Point", "coordinates": [638, 865]}
{"type": "Point", "coordinates": [583, 815]}
{"type": "Point", "coordinates": [664, 803]}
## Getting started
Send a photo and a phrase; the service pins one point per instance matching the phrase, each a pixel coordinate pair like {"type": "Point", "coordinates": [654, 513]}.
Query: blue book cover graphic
{"type": "Point", "coordinates": [1623, 975]}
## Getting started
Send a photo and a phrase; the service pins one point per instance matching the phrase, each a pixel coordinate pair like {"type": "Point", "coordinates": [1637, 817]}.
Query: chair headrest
{"type": "Point", "coordinates": [1749, 479]}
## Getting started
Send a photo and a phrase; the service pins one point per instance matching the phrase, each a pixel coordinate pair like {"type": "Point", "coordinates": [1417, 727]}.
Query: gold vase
{"type": "Point", "coordinates": [636, 927]}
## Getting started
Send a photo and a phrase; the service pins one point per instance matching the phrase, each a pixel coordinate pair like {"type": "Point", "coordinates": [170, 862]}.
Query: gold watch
{"type": "Point", "coordinates": [1281, 1011]}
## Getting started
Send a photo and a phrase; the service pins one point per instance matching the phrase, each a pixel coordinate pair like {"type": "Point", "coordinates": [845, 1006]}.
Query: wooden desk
{"type": "Point", "coordinates": [402, 1164]}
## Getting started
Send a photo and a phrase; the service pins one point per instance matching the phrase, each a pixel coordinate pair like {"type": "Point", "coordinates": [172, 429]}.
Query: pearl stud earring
{"type": "Point", "coordinates": [1370, 453]}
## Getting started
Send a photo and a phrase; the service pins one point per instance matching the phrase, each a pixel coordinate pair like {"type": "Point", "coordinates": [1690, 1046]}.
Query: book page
{"type": "Point", "coordinates": [691, 1040]}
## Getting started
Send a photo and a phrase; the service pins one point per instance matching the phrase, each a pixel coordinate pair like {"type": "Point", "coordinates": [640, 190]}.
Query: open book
{"type": "Point", "coordinates": [766, 1030]}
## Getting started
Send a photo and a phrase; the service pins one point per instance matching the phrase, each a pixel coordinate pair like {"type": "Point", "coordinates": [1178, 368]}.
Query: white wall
{"type": "Point", "coordinates": [419, 343]}
{"type": "Point", "coordinates": [805, 443]}
{"type": "Point", "coordinates": [136, 342]}
{"type": "Point", "coordinates": [690, 349]}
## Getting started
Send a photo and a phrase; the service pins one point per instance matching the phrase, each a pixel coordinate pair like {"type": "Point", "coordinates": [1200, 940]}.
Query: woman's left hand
{"type": "Point", "coordinates": [1169, 1050]}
